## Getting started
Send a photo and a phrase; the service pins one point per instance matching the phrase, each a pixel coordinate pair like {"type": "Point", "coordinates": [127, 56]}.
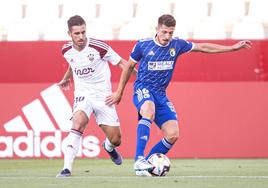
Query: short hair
{"type": "Point", "coordinates": [167, 20]}
{"type": "Point", "coordinates": [75, 21]}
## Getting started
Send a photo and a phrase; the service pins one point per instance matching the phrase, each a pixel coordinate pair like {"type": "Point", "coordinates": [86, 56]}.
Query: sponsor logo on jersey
{"type": "Point", "coordinates": [41, 130]}
{"type": "Point", "coordinates": [160, 65]}
{"type": "Point", "coordinates": [83, 71]}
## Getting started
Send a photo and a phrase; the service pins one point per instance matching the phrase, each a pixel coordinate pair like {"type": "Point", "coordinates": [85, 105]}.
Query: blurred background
{"type": "Point", "coordinates": [33, 20]}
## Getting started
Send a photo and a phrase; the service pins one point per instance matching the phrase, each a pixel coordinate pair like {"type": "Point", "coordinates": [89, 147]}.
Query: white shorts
{"type": "Point", "coordinates": [104, 115]}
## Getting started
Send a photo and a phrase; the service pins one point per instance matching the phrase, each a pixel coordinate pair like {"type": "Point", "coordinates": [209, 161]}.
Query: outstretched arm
{"type": "Point", "coordinates": [66, 80]}
{"type": "Point", "coordinates": [216, 48]}
{"type": "Point", "coordinates": [115, 98]}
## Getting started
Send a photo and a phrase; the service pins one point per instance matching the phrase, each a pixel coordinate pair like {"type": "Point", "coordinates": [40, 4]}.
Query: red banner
{"type": "Point", "coordinates": [216, 120]}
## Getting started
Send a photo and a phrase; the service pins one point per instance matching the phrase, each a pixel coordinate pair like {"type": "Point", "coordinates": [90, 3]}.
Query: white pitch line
{"type": "Point", "coordinates": [135, 177]}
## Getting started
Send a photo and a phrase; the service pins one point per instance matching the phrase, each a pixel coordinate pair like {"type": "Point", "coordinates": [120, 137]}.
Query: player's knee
{"type": "Point", "coordinates": [79, 121]}
{"type": "Point", "coordinates": [149, 115]}
{"type": "Point", "coordinates": [172, 136]}
{"type": "Point", "coordinates": [116, 140]}
{"type": "Point", "coordinates": [79, 124]}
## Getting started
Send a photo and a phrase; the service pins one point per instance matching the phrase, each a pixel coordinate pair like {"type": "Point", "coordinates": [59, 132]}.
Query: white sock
{"type": "Point", "coordinates": [108, 145]}
{"type": "Point", "coordinates": [72, 148]}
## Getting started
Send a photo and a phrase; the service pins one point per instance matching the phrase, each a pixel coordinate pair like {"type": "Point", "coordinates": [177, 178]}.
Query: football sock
{"type": "Point", "coordinates": [108, 145]}
{"type": "Point", "coordinates": [143, 134]}
{"type": "Point", "coordinates": [163, 146]}
{"type": "Point", "coordinates": [70, 153]}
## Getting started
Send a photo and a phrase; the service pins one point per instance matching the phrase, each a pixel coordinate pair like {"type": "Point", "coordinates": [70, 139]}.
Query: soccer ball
{"type": "Point", "coordinates": [161, 164]}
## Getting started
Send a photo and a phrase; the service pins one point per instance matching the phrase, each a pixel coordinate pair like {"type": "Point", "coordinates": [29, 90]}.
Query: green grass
{"type": "Point", "coordinates": [96, 173]}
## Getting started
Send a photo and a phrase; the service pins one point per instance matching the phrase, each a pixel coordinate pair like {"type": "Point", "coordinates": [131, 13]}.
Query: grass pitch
{"type": "Point", "coordinates": [96, 173]}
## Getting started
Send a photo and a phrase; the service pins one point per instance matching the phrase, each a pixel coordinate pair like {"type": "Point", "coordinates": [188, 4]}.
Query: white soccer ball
{"type": "Point", "coordinates": [161, 164]}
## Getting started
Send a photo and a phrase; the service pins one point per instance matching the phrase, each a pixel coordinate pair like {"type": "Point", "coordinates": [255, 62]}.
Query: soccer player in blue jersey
{"type": "Point", "coordinates": [157, 57]}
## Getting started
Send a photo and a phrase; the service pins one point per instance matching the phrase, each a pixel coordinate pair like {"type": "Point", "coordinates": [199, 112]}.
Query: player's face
{"type": "Point", "coordinates": [78, 35]}
{"type": "Point", "coordinates": [164, 34]}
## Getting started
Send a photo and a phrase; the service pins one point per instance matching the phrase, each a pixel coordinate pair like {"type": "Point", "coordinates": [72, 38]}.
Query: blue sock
{"type": "Point", "coordinates": [161, 147]}
{"type": "Point", "coordinates": [143, 134]}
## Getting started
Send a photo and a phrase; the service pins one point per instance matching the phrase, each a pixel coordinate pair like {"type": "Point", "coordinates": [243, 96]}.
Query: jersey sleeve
{"type": "Point", "coordinates": [186, 46]}
{"type": "Point", "coordinates": [105, 51]}
{"type": "Point", "coordinates": [66, 47]}
{"type": "Point", "coordinates": [112, 57]}
{"type": "Point", "coordinates": [136, 53]}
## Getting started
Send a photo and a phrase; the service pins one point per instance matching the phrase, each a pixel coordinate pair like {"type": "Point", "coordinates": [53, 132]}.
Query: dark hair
{"type": "Point", "coordinates": [167, 20]}
{"type": "Point", "coordinates": [75, 21]}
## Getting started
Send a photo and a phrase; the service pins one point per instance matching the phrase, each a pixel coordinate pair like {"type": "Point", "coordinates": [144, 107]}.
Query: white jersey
{"type": "Point", "coordinates": [91, 72]}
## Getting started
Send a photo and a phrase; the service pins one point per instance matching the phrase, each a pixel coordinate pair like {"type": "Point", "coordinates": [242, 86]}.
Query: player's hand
{"type": "Point", "coordinates": [242, 44]}
{"type": "Point", "coordinates": [114, 98]}
{"type": "Point", "coordinates": [65, 84]}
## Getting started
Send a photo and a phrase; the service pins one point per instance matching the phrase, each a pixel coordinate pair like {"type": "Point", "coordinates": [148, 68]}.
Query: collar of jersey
{"type": "Point", "coordinates": [157, 43]}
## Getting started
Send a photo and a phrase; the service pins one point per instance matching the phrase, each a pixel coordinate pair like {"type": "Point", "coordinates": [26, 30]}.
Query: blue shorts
{"type": "Point", "coordinates": [164, 109]}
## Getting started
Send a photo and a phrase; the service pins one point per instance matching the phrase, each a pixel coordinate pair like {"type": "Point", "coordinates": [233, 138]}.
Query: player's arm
{"type": "Point", "coordinates": [123, 63]}
{"type": "Point", "coordinates": [66, 80]}
{"type": "Point", "coordinates": [115, 98]}
{"type": "Point", "coordinates": [217, 48]}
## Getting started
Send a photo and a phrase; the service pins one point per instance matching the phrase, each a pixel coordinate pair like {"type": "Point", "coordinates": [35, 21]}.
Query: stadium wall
{"type": "Point", "coordinates": [221, 101]}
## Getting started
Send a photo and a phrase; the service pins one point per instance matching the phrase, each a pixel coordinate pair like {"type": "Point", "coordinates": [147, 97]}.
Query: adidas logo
{"type": "Point", "coordinates": [151, 53]}
{"type": "Point", "coordinates": [40, 130]}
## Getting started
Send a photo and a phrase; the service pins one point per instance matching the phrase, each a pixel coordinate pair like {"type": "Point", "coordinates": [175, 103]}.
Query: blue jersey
{"type": "Point", "coordinates": [157, 62]}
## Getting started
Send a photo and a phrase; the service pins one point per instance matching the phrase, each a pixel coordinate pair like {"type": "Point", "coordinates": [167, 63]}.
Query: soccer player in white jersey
{"type": "Point", "coordinates": [157, 57]}
{"type": "Point", "coordinates": [88, 64]}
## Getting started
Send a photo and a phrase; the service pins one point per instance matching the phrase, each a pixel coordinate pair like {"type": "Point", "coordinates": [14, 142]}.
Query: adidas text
{"type": "Point", "coordinates": [31, 145]}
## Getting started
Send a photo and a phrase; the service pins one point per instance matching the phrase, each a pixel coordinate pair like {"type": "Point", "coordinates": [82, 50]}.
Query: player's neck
{"type": "Point", "coordinates": [157, 41]}
{"type": "Point", "coordinates": [80, 48]}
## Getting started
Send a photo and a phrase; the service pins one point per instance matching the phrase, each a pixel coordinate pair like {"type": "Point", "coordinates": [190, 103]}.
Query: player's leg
{"type": "Point", "coordinates": [144, 103]}
{"type": "Point", "coordinates": [143, 129]}
{"type": "Point", "coordinates": [166, 120]}
{"type": "Point", "coordinates": [171, 133]}
{"type": "Point", "coordinates": [107, 119]}
{"type": "Point", "coordinates": [80, 120]}
{"type": "Point", "coordinates": [141, 166]}
{"type": "Point", "coordinates": [81, 113]}
{"type": "Point", "coordinates": [113, 140]}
